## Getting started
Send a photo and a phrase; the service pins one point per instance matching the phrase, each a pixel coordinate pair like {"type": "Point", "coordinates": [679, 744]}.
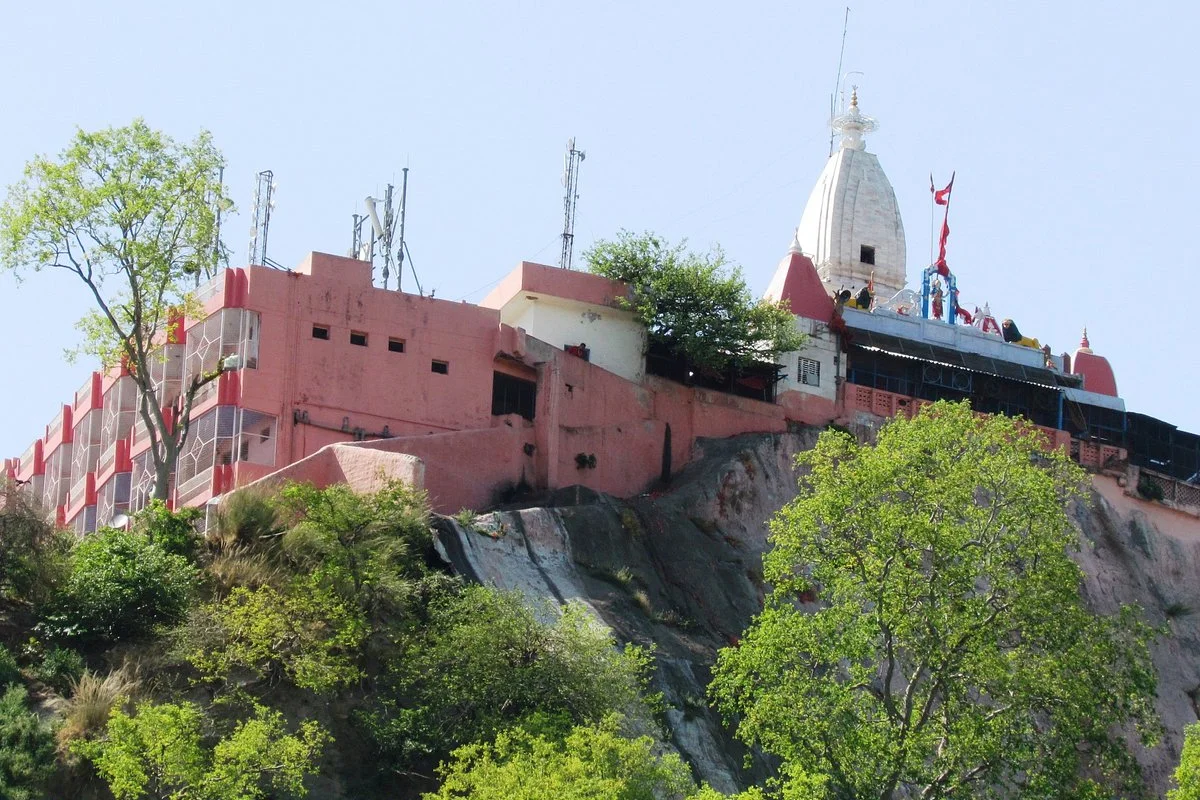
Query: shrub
{"type": "Point", "coordinates": [161, 752]}
{"type": "Point", "coordinates": [60, 668]}
{"type": "Point", "coordinates": [173, 531]}
{"type": "Point", "coordinates": [9, 671]}
{"type": "Point", "coordinates": [240, 566]}
{"type": "Point", "coordinates": [26, 748]}
{"type": "Point", "coordinates": [485, 661]}
{"type": "Point", "coordinates": [1150, 489]}
{"type": "Point", "coordinates": [593, 761]}
{"type": "Point", "coordinates": [246, 519]}
{"type": "Point", "coordinates": [32, 552]}
{"type": "Point", "coordinates": [121, 585]}
{"type": "Point", "coordinates": [305, 633]}
{"type": "Point", "coordinates": [369, 548]}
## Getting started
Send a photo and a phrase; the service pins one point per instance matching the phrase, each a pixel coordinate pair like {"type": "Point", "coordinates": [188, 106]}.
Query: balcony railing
{"type": "Point", "coordinates": [55, 424]}
{"type": "Point", "coordinates": [84, 393]}
{"type": "Point", "coordinates": [78, 492]}
{"type": "Point", "coordinates": [27, 458]}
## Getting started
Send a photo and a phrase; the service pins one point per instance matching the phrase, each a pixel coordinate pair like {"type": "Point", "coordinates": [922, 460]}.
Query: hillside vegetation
{"type": "Point", "coordinates": [313, 643]}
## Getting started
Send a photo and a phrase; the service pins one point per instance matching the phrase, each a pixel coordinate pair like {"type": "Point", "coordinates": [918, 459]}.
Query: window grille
{"type": "Point", "coordinates": [809, 371]}
{"type": "Point", "coordinates": [141, 482]}
{"type": "Point", "coordinates": [113, 498]}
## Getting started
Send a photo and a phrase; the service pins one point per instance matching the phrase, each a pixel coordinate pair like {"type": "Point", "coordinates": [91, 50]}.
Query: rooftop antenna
{"type": "Point", "coordinates": [402, 247]}
{"type": "Point", "coordinates": [383, 233]}
{"type": "Point", "coordinates": [264, 204]}
{"type": "Point", "coordinates": [837, 87]}
{"type": "Point", "coordinates": [570, 181]}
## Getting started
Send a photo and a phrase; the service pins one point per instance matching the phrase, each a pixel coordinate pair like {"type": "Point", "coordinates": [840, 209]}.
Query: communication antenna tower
{"type": "Point", "coordinates": [264, 204]}
{"type": "Point", "coordinates": [383, 240]}
{"type": "Point", "coordinates": [570, 181]}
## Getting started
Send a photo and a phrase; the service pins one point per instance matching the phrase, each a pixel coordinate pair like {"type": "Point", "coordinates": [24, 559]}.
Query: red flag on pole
{"type": "Point", "coordinates": [942, 198]}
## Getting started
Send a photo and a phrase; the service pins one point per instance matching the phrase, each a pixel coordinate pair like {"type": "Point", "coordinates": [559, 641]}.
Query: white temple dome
{"type": "Point", "coordinates": [851, 225]}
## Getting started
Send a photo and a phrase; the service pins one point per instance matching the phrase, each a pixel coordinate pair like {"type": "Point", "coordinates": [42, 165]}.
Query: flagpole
{"type": "Point", "coordinates": [932, 215]}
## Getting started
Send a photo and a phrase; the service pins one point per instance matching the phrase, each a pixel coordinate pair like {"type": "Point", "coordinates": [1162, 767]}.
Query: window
{"type": "Point", "coordinates": [320, 332]}
{"type": "Point", "coordinates": [358, 338]}
{"type": "Point", "coordinates": [512, 395]}
{"type": "Point", "coordinates": [440, 367]}
{"type": "Point", "coordinates": [866, 254]}
{"type": "Point", "coordinates": [809, 371]}
{"type": "Point", "coordinates": [395, 345]}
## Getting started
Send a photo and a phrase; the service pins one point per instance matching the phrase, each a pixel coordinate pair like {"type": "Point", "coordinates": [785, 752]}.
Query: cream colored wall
{"type": "Point", "coordinates": [616, 340]}
{"type": "Point", "coordinates": [821, 346]}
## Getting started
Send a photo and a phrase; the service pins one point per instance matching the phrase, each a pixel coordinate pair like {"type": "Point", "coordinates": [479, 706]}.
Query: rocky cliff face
{"type": "Point", "coordinates": [682, 570]}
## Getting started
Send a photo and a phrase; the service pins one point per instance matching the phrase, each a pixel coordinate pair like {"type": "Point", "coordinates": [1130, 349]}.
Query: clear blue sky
{"type": "Point", "coordinates": [1071, 125]}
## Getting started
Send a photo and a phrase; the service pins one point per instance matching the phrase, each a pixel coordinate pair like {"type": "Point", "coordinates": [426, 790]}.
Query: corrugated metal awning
{"type": "Point", "coordinates": [974, 362]}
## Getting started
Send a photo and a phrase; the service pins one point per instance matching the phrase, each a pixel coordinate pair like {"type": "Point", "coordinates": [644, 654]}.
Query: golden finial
{"type": "Point", "coordinates": [854, 97]}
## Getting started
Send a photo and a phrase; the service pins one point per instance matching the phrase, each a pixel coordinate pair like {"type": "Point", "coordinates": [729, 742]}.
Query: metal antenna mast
{"type": "Point", "coordinates": [383, 232]}
{"type": "Point", "coordinates": [570, 181]}
{"type": "Point", "coordinates": [264, 204]}
{"type": "Point", "coordinates": [837, 88]}
{"type": "Point", "coordinates": [401, 247]}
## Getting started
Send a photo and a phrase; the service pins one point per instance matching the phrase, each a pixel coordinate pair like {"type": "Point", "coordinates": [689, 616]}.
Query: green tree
{"type": "Point", "coordinates": [121, 585]}
{"type": "Point", "coordinates": [695, 305]}
{"type": "Point", "coordinates": [173, 531]}
{"type": "Point", "coordinates": [160, 753]}
{"type": "Point", "coordinates": [594, 762]}
{"type": "Point", "coordinates": [26, 748]}
{"type": "Point", "coordinates": [32, 552]}
{"type": "Point", "coordinates": [484, 661]}
{"type": "Point", "coordinates": [1187, 774]}
{"type": "Point", "coordinates": [132, 215]}
{"type": "Point", "coordinates": [948, 653]}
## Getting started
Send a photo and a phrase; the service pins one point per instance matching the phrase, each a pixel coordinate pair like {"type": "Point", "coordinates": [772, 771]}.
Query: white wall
{"type": "Point", "coordinates": [617, 341]}
{"type": "Point", "coordinates": [822, 347]}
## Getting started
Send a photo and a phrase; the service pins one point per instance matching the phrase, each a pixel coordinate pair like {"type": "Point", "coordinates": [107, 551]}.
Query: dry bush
{"type": "Point", "coordinates": [246, 518]}
{"type": "Point", "coordinates": [242, 567]}
{"type": "Point", "coordinates": [92, 700]}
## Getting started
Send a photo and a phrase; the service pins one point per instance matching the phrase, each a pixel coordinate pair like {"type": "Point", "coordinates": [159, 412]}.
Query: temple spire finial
{"type": "Point", "coordinates": [1084, 345]}
{"type": "Point", "coordinates": [853, 125]}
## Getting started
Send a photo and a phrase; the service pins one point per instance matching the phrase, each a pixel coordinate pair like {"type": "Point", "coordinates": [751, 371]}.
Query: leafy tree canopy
{"type": "Point", "coordinates": [161, 753]}
{"type": "Point", "coordinates": [696, 305]}
{"type": "Point", "coordinates": [121, 585]}
{"type": "Point", "coordinates": [304, 632]}
{"type": "Point", "coordinates": [594, 762]}
{"type": "Point", "coordinates": [948, 653]}
{"type": "Point", "coordinates": [1187, 774]}
{"type": "Point", "coordinates": [32, 552]}
{"type": "Point", "coordinates": [484, 661]}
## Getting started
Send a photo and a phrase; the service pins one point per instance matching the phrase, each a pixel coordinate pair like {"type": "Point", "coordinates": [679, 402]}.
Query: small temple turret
{"type": "Point", "coordinates": [1096, 371]}
{"type": "Point", "coordinates": [851, 225]}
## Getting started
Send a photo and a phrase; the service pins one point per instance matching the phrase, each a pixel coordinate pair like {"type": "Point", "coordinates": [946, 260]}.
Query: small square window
{"type": "Point", "coordinates": [396, 345]}
{"type": "Point", "coordinates": [320, 332]}
{"type": "Point", "coordinates": [440, 367]}
{"type": "Point", "coordinates": [810, 371]}
{"type": "Point", "coordinates": [866, 254]}
{"type": "Point", "coordinates": [358, 338]}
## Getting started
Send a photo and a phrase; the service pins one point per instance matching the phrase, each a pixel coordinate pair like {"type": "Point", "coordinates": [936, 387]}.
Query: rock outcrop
{"type": "Point", "coordinates": [681, 570]}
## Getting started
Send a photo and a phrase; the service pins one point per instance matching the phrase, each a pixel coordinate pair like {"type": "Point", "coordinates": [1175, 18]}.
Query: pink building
{"type": "Point", "coordinates": [325, 358]}
{"type": "Point", "coordinates": [548, 382]}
